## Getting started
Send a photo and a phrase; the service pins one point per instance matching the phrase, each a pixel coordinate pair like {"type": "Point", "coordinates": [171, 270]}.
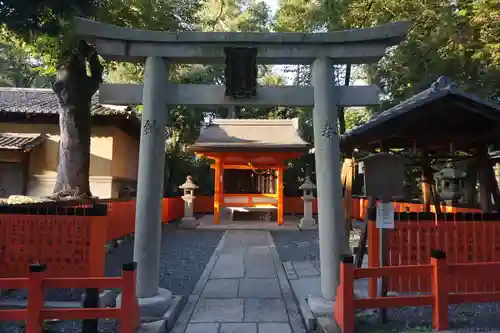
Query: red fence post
{"type": "Point", "coordinates": [34, 321]}
{"type": "Point", "coordinates": [129, 317]}
{"type": "Point", "coordinates": [439, 290]}
{"type": "Point", "coordinates": [344, 303]}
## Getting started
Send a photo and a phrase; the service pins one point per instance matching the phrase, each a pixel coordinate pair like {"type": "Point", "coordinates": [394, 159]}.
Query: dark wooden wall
{"type": "Point", "coordinates": [251, 182]}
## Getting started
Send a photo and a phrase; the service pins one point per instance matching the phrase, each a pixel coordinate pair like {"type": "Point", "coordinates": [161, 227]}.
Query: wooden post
{"type": "Point", "coordinates": [364, 236]}
{"type": "Point", "coordinates": [426, 182]}
{"type": "Point", "coordinates": [221, 187]}
{"type": "Point", "coordinates": [90, 301]}
{"type": "Point", "coordinates": [384, 253]}
{"type": "Point", "coordinates": [349, 174]}
{"type": "Point", "coordinates": [435, 196]}
{"type": "Point", "coordinates": [279, 190]}
{"type": "Point", "coordinates": [484, 181]}
{"type": "Point", "coordinates": [34, 320]}
{"type": "Point", "coordinates": [487, 181]}
{"type": "Point", "coordinates": [439, 290]}
{"type": "Point", "coordinates": [373, 238]}
{"type": "Point", "coordinates": [217, 191]}
{"type": "Point", "coordinates": [345, 318]}
{"type": "Point", "coordinates": [129, 316]}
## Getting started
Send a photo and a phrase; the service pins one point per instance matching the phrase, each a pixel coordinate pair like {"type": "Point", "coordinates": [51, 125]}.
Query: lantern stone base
{"type": "Point", "coordinates": [307, 224]}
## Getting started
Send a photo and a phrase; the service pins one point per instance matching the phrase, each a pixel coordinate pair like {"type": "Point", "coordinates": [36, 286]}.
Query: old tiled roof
{"type": "Point", "coordinates": [16, 141]}
{"type": "Point", "coordinates": [250, 134]}
{"type": "Point", "coordinates": [44, 102]}
{"type": "Point", "coordinates": [444, 103]}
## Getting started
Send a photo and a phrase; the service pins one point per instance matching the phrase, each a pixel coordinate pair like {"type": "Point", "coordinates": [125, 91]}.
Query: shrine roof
{"type": "Point", "coordinates": [243, 135]}
{"type": "Point", "coordinates": [434, 118]}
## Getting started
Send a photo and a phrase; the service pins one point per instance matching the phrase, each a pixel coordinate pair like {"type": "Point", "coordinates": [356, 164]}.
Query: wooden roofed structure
{"type": "Point", "coordinates": [257, 147]}
{"type": "Point", "coordinates": [436, 123]}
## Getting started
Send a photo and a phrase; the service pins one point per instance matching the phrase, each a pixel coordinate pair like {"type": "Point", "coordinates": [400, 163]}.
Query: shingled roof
{"type": "Point", "coordinates": [44, 101]}
{"type": "Point", "coordinates": [35, 105]}
{"type": "Point", "coordinates": [16, 141]}
{"type": "Point", "coordinates": [250, 135]}
{"type": "Point", "coordinates": [434, 117]}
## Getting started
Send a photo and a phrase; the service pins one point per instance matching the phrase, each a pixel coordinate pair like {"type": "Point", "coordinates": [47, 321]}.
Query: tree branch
{"type": "Point", "coordinates": [96, 70]}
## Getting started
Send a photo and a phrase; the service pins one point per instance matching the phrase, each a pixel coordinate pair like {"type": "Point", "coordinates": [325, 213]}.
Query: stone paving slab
{"type": "Point", "coordinates": [259, 288]}
{"type": "Point", "coordinates": [218, 310]}
{"type": "Point", "coordinates": [238, 328]}
{"type": "Point", "coordinates": [305, 268]}
{"type": "Point", "coordinates": [274, 328]}
{"type": "Point", "coordinates": [265, 310]}
{"type": "Point", "coordinates": [203, 328]}
{"type": "Point", "coordinates": [228, 266]}
{"type": "Point", "coordinates": [221, 288]}
{"type": "Point", "coordinates": [261, 270]}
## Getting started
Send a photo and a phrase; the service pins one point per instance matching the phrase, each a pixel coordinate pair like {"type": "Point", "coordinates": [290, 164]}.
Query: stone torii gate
{"type": "Point", "coordinates": [160, 49]}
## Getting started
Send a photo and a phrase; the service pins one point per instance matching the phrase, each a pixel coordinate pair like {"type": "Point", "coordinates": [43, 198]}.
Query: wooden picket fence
{"type": "Point", "coordinates": [465, 237]}
{"type": "Point", "coordinates": [443, 277]}
{"type": "Point", "coordinates": [37, 282]}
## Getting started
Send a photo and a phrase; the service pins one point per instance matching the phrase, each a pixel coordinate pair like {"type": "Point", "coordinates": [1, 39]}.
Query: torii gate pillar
{"type": "Point", "coordinates": [327, 158]}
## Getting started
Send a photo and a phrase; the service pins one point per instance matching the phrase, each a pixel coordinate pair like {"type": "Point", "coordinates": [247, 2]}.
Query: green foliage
{"type": "Point", "coordinates": [20, 63]}
{"type": "Point", "coordinates": [460, 41]}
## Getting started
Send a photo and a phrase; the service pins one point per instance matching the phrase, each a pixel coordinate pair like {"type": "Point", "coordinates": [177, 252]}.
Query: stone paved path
{"type": "Point", "coordinates": [243, 289]}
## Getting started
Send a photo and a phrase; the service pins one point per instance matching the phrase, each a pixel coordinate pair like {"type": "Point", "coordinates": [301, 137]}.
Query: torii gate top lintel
{"type": "Point", "coordinates": [347, 46]}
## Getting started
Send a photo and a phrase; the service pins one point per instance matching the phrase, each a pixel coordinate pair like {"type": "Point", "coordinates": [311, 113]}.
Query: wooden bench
{"type": "Point", "coordinates": [249, 203]}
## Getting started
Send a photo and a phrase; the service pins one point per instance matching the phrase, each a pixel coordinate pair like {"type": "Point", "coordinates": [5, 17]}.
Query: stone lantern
{"type": "Point", "coordinates": [308, 222]}
{"type": "Point", "coordinates": [450, 183]}
{"type": "Point", "coordinates": [188, 198]}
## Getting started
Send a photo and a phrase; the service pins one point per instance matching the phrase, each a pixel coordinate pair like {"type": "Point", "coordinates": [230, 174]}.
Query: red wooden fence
{"type": "Point", "coordinates": [465, 237]}
{"type": "Point", "coordinates": [68, 236]}
{"type": "Point", "coordinates": [121, 215]}
{"type": "Point", "coordinates": [35, 313]}
{"type": "Point", "coordinates": [358, 208]}
{"type": "Point", "coordinates": [71, 240]}
{"type": "Point", "coordinates": [443, 276]}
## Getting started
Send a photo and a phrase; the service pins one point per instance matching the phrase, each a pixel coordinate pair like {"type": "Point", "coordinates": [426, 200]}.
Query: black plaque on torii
{"type": "Point", "coordinates": [241, 72]}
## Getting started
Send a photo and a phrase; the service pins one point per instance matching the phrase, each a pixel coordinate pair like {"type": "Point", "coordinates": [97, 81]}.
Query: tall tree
{"type": "Point", "coordinates": [458, 39]}
{"type": "Point", "coordinates": [79, 70]}
{"type": "Point", "coordinates": [47, 23]}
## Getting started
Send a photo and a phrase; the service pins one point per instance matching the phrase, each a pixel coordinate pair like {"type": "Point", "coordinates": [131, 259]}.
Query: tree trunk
{"type": "Point", "coordinates": [74, 89]}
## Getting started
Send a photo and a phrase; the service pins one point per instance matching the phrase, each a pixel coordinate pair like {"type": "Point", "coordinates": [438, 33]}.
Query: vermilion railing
{"type": "Point", "coordinates": [121, 215]}
{"type": "Point", "coordinates": [465, 237]}
{"type": "Point", "coordinates": [358, 208]}
{"type": "Point", "coordinates": [35, 313]}
{"type": "Point", "coordinates": [443, 276]}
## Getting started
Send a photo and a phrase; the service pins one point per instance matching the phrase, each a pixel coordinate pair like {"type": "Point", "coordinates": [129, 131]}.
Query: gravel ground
{"type": "Point", "coordinates": [462, 318]}
{"type": "Point", "coordinates": [184, 255]}
{"type": "Point", "coordinates": [303, 245]}
{"type": "Point", "coordinates": [296, 245]}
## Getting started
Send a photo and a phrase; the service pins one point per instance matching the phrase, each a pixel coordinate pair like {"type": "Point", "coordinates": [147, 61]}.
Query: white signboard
{"type": "Point", "coordinates": [385, 215]}
{"type": "Point", "coordinates": [361, 167]}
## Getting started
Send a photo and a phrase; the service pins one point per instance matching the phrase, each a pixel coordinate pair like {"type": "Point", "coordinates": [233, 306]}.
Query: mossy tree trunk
{"type": "Point", "coordinates": [74, 88]}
